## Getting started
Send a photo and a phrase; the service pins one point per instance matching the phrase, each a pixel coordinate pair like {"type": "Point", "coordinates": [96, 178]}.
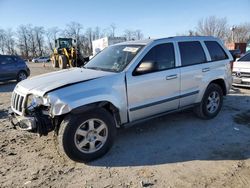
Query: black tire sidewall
{"type": "Point", "coordinates": [210, 89]}
{"type": "Point", "coordinates": [72, 122]}
{"type": "Point", "coordinates": [18, 76]}
{"type": "Point", "coordinates": [54, 62]}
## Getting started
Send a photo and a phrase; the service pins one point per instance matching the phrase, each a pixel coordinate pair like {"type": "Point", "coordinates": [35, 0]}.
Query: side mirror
{"type": "Point", "coordinates": [145, 67]}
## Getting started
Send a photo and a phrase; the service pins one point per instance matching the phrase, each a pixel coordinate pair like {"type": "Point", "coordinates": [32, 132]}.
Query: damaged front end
{"type": "Point", "coordinates": [30, 113]}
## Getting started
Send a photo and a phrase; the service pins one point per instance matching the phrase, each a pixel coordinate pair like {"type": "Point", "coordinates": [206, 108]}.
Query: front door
{"type": "Point", "coordinates": [156, 89]}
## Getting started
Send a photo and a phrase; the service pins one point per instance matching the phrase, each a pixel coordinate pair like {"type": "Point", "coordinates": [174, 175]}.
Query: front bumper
{"type": "Point", "coordinates": [37, 123]}
{"type": "Point", "coordinates": [242, 82]}
{"type": "Point", "coordinates": [22, 122]}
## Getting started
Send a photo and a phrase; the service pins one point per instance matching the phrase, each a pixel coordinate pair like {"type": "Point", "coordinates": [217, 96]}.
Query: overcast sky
{"type": "Point", "coordinates": [156, 18]}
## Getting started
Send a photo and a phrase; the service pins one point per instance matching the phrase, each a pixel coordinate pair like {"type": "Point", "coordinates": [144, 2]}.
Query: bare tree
{"type": "Point", "coordinates": [39, 37]}
{"type": "Point", "coordinates": [113, 28]}
{"type": "Point", "coordinates": [97, 33]}
{"type": "Point", "coordinates": [52, 34]}
{"type": "Point", "coordinates": [213, 26]}
{"type": "Point", "coordinates": [242, 32]}
{"type": "Point", "coordinates": [90, 36]}
{"type": "Point", "coordinates": [2, 40]}
{"type": "Point", "coordinates": [10, 42]}
{"type": "Point", "coordinates": [138, 34]}
{"type": "Point", "coordinates": [32, 40]}
{"type": "Point", "coordinates": [106, 32]}
{"type": "Point", "coordinates": [73, 30]}
{"type": "Point", "coordinates": [129, 34]}
{"type": "Point", "coordinates": [133, 34]}
{"type": "Point", "coordinates": [23, 40]}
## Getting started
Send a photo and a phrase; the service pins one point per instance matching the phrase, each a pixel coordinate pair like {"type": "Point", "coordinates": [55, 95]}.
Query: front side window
{"type": "Point", "coordinates": [114, 58]}
{"type": "Point", "coordinates": [160, 57]}
{"type": "Point", "coordinates": [191, 53]}
{"type": "Point", "coordinates": [215, 50]}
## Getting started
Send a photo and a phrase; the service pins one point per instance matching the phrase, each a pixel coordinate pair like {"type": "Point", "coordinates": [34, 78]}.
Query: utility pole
{"type": "Point", "coordinates": [233, 28]}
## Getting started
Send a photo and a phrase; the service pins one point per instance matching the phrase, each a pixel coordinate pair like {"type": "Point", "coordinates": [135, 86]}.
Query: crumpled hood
{"type": "Point", "coordinates": [39, 85]}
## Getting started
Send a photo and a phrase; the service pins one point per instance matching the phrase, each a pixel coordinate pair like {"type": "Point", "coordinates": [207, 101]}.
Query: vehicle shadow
{"type": "Point", "coordinates": [3, 113]}
{"type": "Point", "coordinates": [7, 86]}
{"type": "Point", "coordinates": [182, 137]}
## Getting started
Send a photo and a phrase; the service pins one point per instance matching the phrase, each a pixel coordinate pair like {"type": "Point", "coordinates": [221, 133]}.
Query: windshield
{"type": "Point", "coordinates": [245, 57]}
{"type": "Point", "coordinates": [114, 58]}
{"type": "Point", "coordinates": [64, 43]}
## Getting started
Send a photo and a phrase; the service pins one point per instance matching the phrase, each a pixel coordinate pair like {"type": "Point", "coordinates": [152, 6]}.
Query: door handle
{"type": "Point", "coordinates": [206, 69]}
{"type": "Point", "coordinates": [170, 77]}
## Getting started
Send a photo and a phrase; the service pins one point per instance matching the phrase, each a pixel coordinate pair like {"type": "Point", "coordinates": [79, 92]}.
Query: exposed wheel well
{"type": "Point", "coordinates": [102, 104]}
{"type": "Point", "coordinates": [222, 84]}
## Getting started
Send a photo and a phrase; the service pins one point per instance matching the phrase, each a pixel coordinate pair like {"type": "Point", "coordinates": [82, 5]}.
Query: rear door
{"type": "Point", "coordinates": [156, 91]}
{"type": "Point", "coordinates": [219, 63]}
{"type": "Point", "coordinates": [192, 58]}
{"type": "Point", "coordinates": [8, 67]}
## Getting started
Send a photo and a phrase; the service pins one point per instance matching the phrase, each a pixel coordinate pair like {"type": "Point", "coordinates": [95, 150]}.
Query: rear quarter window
{"type": "Point", "coordinates": [215, 50]}
{"type": "Point", "coordinates": [191, 53]}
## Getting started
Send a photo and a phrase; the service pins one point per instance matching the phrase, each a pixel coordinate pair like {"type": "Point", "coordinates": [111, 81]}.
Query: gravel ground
{"type": "Point", "coordinates": [177, 150]}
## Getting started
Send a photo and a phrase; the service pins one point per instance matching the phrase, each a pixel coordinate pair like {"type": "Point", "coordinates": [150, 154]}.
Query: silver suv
{"type": "Point", "coordinates": [123, 84]}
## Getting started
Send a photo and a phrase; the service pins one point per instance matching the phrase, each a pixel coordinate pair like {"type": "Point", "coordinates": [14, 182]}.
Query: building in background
{"type": "Point", "coordinates": [99, 44]}
{"type": "Point", "coordinates": [235, 46]}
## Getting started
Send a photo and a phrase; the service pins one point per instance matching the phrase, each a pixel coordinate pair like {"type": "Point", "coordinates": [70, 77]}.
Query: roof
{"type": "Point", "coordinates": [175, 38]}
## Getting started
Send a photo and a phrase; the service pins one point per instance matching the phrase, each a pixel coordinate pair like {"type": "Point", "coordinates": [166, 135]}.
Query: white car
{"type": "Point", "coordinates": [122, 85]}
{"type": "Point", "coordinates": [41, 60]}
{"type": "Point", "coordinates": [241, 71]}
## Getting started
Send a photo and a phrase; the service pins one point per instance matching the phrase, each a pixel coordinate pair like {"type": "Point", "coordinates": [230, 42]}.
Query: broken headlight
{"type": "Point", "coordinates": [35, 101]}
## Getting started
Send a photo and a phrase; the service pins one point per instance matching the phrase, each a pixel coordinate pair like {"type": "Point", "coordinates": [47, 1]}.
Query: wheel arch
{"type": "Point", "coordinates": [22, 70]}
{"type": "Point", "coordinates": [110, 107]}
{"type": "Point", "coordinates": [220, 82]}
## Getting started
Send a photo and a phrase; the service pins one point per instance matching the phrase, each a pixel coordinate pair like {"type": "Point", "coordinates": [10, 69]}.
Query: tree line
{"type": "Point", "coordinates": [31, 41]}
{"type": "Point", "coordinates": [219, 27]}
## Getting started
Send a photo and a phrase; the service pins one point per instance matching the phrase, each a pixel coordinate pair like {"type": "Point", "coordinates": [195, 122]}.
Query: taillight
{"type": "Point", "coordinates": [231, 65]}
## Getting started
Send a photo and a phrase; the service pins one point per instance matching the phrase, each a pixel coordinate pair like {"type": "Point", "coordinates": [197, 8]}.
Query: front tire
{"type": "Point", "coordinates": [87, 136]}
{"type": "Point", "coordinates": [211, 102]}
{"type": "Point", "coordinates": [63, 61]}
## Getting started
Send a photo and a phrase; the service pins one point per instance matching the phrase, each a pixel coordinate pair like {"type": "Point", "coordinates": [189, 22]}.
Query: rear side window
{"type": "Point", "coordinates": [191, 53]}
{"type": "Point", "coordinates": [6, 60]}
{"type": "Point", "coordinates": [245, 58]}
{"type": "Point", "coordinates": [215, 50]}
{"type": "Point", "coordinates": [162, 56]}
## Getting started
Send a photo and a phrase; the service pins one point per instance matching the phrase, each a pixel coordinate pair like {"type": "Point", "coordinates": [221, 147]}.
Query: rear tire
{"type": "Point", "coordinates": [211, 102]}
{"type": "Point", "coordinates": [22, 75]}
{"type": "Point", "coordinates": [63, 61]}
{"type": "Point", "coordinates": [87, 136]}
{"type": "Point", "coordinates": [54, 62]}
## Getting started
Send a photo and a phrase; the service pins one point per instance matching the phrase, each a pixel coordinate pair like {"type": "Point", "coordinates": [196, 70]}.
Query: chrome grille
{"type": "Point", "coordinates": [17, 102]}
{"type": "Point", "coordinates": [241, 74]}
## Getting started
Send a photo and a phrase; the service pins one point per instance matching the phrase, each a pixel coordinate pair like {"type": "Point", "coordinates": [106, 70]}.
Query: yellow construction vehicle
{"type": "Point", "coordinates": [66, 54]}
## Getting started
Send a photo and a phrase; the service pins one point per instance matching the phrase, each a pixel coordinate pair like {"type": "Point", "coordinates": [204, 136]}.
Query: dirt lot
{"type": "Point", "coordinates": [177, 150]}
